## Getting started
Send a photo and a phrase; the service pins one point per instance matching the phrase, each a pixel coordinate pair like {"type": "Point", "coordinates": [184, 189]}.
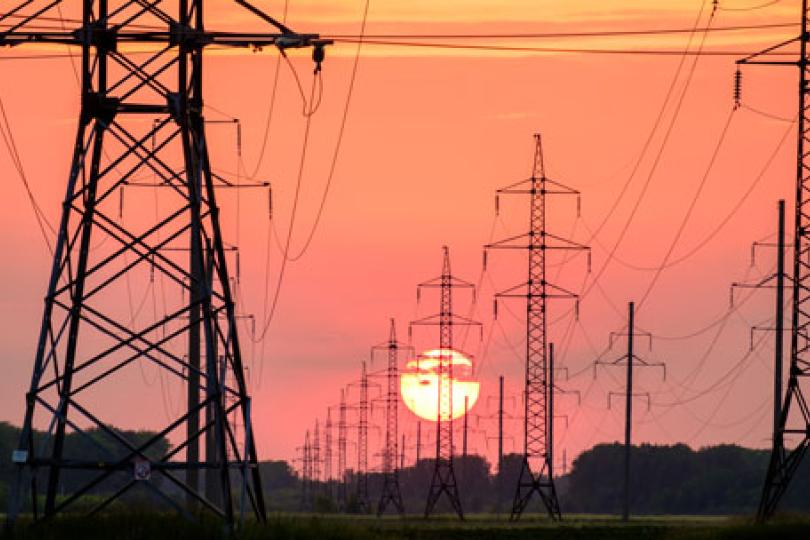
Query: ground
{"type": "Point", "coordinates": [490, 527]}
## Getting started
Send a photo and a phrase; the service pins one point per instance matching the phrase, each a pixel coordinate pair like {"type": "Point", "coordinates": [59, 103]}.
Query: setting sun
{"type": "Point", "coordinates": [418, 384]}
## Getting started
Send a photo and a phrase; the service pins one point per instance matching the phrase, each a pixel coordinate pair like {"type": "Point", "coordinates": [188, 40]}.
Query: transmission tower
{"type": "Point", "coordinates": [444, 477]}
{"type": "Point", "coordinates": [342, 494]}
{"type": "Point", "coordinates": [629, 361]}
{"type": "Point", "coordinates": [316, 454]}
{"type": "Point", "coordinates": [363, 502]}
{"type": "Point", "coordinates": [390, 490]}
{"type": "Point", "coordinates": [306, 477]}
{"type": "Point", "coordinates": [794, 422]}
{"type": "Point", "coordinates": [86, 341]}
{"type": "Point", "coordinates": [536, 473]}
{"type": "Point", "coordinates": [327, 453]}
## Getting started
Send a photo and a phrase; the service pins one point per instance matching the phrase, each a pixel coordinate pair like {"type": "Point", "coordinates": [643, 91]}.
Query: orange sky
{"type": "Point", "coordinates": [431, 134]}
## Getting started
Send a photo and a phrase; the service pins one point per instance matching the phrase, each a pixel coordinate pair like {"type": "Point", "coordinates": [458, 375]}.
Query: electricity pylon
{"type": "Point", "coordinates": [306, 474]}
{"type": "Point", "coordinates": [536, 473]}
{"type": "Point", "coordinates": [794, 421]}
{"type": "Point", "coordinates": [327, 454]}
{"type": "Point", "coordinates": [86, 340]}
{"type": "Point", "coordinates": [342, 426]}
{"type": "Point", "coordinates": [316, 454]}
{"type": "Point", "coordinates": [390, 489]}
{"type": "Point", "coordinates": [444, 476]}
{"type": "Point", "coordinates": [629, 361]}
{"type": "Point", "coordinates": [363, 503]}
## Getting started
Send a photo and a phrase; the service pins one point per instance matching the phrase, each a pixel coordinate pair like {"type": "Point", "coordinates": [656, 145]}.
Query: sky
{"type": "Point", "coordinates": [430, 135]}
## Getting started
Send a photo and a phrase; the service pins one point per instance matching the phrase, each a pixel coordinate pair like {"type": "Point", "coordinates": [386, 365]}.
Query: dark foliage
{"type": "Point", "coordinates": [724, 479]}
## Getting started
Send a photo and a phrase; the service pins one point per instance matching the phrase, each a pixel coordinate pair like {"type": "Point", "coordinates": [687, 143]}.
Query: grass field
{"type": "Point", "coordinates": [478, 527]}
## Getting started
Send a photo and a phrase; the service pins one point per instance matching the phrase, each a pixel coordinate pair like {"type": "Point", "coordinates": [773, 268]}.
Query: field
{"type": "Point", "coordinates": [484, 527]}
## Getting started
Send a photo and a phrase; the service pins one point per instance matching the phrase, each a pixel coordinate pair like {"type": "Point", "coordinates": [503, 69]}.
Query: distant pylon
{"type": "Point", "coordinates": [390, 490]}
{"type": "Point", "coordinates": [306, 477]}
{"type": "Point", "coordinates": [794, 420]}
{"type": "Point", "coordinates": [362, 446]}
{"type": "Point", "coordinates": [327, 454]}
{"type": "Point", "coordinates": [342, 491]}
{"type": "Point", "coordinates": [316, 454]}
{"type": "Point", "coordinates": [536, 473]}
{"type": "Point", "coordinates": [444, 476]}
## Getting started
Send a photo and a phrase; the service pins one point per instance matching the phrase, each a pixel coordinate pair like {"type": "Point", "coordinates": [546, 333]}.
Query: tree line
{"type": "Point", "coordinates": [665, 479]}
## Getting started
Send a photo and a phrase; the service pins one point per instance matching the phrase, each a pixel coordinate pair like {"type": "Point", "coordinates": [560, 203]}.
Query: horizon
{"type": "Point", "coordinates": [431, 134]}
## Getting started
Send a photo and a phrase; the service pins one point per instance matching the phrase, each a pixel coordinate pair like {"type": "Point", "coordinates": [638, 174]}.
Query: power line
{"type": "Point", "coordinates": [749, 8]}
{"type": "Point", "coordinates": [562, 35]}
{"type": "Point", "coordinates": [269, 314]}
{"type": "Point", "coordinates": [560, 50]}
{"type": "Point", "coordinates": [690, 209]}
{"type": "Point", "coordinates": [647, 144]}
{"type": "Point", "coordinates": [11, 146]}
{"type": "Point", "coordinates": [659, 155]}
{"type": "Point", "coordinates": [272, 105]}
{"type": "Point", "coordinates": [339, 141]}
{"type": "Point", "coordinates": [723, 223]}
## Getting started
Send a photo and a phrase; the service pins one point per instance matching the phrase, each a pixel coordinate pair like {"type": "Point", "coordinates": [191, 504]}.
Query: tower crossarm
{"type": "Point", "coordinates": [562, 243]}
{"type": "Point", "coordinates": [122, 26]}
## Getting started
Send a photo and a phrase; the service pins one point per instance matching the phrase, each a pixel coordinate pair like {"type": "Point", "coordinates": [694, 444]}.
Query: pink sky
{"type": "Point", "coordinates": [431, 135]}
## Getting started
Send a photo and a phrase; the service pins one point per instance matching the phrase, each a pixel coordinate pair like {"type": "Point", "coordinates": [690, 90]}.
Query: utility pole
{"type": "Point", "coordinates": [630, 361]}
{"type": "Point", "coordinates": [84, 343]}
{"type": "Point", "coordinates": [536, 470]}
{"type": "Point", "coordinates": [402, 453]}
{"type": "Point", "coordinates": [466, 410]}
{"type": "Point", "coordinates": [444, 476]}
{"type": "Point", "coordinates": [775, 281]}
{"type": "Point", "coordinates": [500, 424]}
{"type": "Point", "coordinates": [418, 441]}
{"type": "Point", "coordinates": [551, 409]}
{"type": "Point", "coordinates": [780, 321]}
{"type": "Point", "coordinates": [390, 490]}
{"type": "Point", "coordinates": [794, 420]}
{"type": "Point", "coordinates": [628, 414]}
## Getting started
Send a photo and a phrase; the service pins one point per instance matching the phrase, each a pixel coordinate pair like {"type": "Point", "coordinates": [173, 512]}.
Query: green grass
{"type": "Point", "coordinates": [136, 526]}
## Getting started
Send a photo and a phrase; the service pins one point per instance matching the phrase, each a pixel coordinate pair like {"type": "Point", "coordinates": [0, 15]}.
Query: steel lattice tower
{"type": "Point", "coordinates": [327, 453]}
{"type": "Point", "coordinates": [306, 480]}
{"type": "Point", "coordinates": [794, 421]}
{"type": "Point", "coordinates": [140, 116]}
{"type": "Point", "coordinates": [316, 453]}
{"type": "Point", "coordinates": [390, 490]}
{"type": "Point", "coordinates": [362, 445]}
{"type": "Point", "coordinates": [444, 477]}
{"type": "Point", "coordinates": [536, 473]}
{"type": "Point", "coordinates": [342, 495]}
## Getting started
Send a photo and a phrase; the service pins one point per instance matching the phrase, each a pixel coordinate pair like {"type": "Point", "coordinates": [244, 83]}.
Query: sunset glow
{"type": "Point", "coordinates": [419, 390]}
{"type": "Point", "coordinates": [669, 205]}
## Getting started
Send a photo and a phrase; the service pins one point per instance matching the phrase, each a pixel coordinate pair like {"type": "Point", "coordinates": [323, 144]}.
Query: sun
{"type": "Point", "coordinates": [419, 384]}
